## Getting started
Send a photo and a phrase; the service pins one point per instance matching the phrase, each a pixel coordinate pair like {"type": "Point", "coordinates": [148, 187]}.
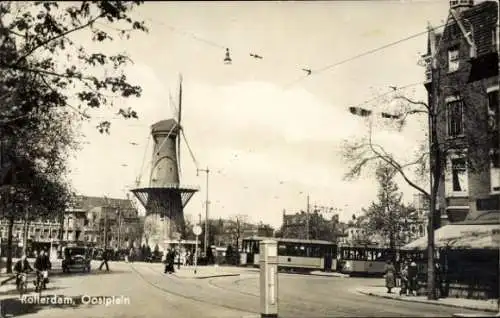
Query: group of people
{"type": "Point", "coordinates": [408, 274]}
{"type": "Point", "coordinates": [170, 261]}
{"type": "Point", "coordinates": [42, 264]}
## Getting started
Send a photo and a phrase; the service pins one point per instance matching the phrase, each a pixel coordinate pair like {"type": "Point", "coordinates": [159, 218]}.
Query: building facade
{"type": "Point", "coordinates": [83, 222]}
{"type": "Point", "coordinates": [465, 82]}
{"type": "Point", "coordinates": [297, 225]}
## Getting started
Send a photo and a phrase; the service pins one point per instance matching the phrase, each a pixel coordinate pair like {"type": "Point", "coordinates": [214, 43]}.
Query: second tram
{"type": "Point", "coordinates": [363, 260]}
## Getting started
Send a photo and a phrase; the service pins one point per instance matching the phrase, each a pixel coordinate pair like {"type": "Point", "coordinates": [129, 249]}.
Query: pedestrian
{"type": "Point", "coordinates": [412, 277]}
{"type": "Point", "coordinates": [439, 285]}
{"type": "Point", "coordinates": [172, 261]}
{"type": "Point", "coordinates": [404, 279]}
{"type": "Point", "coordinates": [169, 261]}
{"type": "Point", "coordinates": [131, 254]}
{"type": "Point", "coordinates": [166, 257]}
{"type": "Point", "coordinates": [390, 280]}
{"type": "Point", "coordinates": [104, 261]}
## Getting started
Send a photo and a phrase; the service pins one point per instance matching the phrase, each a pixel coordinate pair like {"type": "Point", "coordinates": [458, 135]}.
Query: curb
{"type": "Point", "coordinates": [427, 302]}
{"type": "Point", "coordinates": [206, 276]}
{"type": "Point", "coordinates": [472, 315]}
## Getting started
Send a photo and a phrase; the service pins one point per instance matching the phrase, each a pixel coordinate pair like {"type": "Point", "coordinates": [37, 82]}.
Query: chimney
{"type": "Point", "coordinates": [461, 5]}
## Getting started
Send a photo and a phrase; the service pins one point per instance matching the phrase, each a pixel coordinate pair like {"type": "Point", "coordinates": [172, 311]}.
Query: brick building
{"type": "Point", "coordinates": [466, 80]}
{"type": "Point", "coordinates": [83, 222]}
{"type": "Point", "coordinates": [119, 216]}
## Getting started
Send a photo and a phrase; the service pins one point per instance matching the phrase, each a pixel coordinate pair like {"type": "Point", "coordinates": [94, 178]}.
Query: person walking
{"type": "Point", "coordinates": [166, 258]}
{"type": "Point", "coordinates": [390, 277]}
{"type": "Point", "coordinates": [104, 261]}
{"type": "Point", "coordinates": [404, 279]}
{"type": "Point", "coordinates": [412, 278]}
{"type": "Point", "coordinates": [172, 261]}
{"type": "Point", "coordinates": [131, 256]}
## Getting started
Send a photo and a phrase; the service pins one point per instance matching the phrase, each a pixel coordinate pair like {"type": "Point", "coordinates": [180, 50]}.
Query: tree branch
{"type": "Point", "coordinates": [63, 34]}
{"type": "Point", "coordinates": [67, 104]}
{"type": "Point", "coordinates": [414, 102]}
{"type": "Point", "coordinates": [389, 160]}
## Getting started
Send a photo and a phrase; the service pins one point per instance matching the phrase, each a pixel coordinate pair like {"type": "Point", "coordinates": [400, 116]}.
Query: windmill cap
{"type": "Point", "coordinates": [164, 126]}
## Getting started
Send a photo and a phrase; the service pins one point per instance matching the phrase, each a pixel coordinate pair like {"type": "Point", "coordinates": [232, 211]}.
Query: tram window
{"type": "Point", "coordinates": [256, 247]}
{"type": "Point", "coordinates": [302, 251]}
{"type": "Point", "coordinates": [318, 251]}
{"type": "Point", "coordinates": [282, 249]}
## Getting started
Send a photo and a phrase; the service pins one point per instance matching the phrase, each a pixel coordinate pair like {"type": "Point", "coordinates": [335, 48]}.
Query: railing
{"type": "Point", "coordinates": [176, 186]}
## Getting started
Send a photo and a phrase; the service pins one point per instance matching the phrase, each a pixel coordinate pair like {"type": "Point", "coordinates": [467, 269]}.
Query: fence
{"type": "Point", "coordinates": [465, 273]}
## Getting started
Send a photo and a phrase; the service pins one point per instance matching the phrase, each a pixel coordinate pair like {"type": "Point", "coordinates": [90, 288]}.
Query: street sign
{"type": "Point", "coordinates": [197, 230]}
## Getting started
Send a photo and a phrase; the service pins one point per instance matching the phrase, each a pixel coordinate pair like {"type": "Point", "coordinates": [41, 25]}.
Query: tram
{"type": "Point", "coordinates": [293, 254]}
{"type": "Point", "coordinates": [364, 260]}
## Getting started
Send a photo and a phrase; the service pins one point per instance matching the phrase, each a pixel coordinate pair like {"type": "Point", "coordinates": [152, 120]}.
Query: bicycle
{"type": "Point", "coordinates": [21, 284]}
{"type": "Point", "coordinates": [41, 281]}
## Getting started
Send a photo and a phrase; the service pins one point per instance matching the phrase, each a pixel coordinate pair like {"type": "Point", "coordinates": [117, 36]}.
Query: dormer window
{"type": "Point", "coordinates": [453, 59]}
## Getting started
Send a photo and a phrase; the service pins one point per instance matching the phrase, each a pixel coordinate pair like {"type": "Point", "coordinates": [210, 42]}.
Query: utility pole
{"type": "Point", "coordinates": [106, 228]}
{"type": "Point", "coordinates": [119, 212]}
{"type": "Point", "coordinates": [207, 202]}
{"type": "Point", "coordinates": [497, 40]}
{"type": "Point", "coordinates": [26, 229]}
{"type": "Point", "coordinates": [307, 218]}
{"type": "Point", "coordinates": [435, 164]}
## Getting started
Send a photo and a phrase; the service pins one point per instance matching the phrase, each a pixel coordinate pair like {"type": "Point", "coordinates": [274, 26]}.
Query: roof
{"type": "Point", "coordinates": [288, 240]}
{"type": "Point", "coordinates": [482, 17]}
{"type": "Point", "coordinates": [86, 202]}
{"type": "Point", "coordinates": [165, 126]}
{"type": "Point", "coordinates": [462, 235]}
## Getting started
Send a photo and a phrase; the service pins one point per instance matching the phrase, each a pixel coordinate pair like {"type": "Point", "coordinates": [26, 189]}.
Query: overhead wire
{"type": "Point", "coordinates": [309, 71]}
{"type": "Point", "coordinates": [380, 48]}
{"type": "Point", "coordinates": [143, 161]}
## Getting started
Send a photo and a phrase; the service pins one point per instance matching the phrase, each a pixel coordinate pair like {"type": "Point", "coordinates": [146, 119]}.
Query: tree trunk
{"type": "Point", "coordinates": [9, 244]}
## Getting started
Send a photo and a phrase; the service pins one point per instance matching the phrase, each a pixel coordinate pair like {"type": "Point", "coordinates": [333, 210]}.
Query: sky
{"type": "Point", "coordinates": [268, 139]}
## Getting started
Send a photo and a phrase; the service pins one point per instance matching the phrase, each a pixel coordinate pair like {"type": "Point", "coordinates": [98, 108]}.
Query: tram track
{"type": "Point", "coordinates": [311, 304]}
{"type": "Point", "coordinates": [181, 295]}
{"type": "Point", "coordinates": [293, 308]}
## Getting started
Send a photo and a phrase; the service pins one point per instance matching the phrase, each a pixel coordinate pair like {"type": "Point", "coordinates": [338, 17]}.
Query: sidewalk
{"type": "Point", "coordinates": [472, 304]}
{"type": "Point", "coordinates": [203, 272]}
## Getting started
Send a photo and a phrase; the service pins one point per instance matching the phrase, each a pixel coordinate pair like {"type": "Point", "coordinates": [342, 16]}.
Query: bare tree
{"type": "Point", "coordinates": [431, 160]}
{"type": "Point", "coordinates": [238, 227]}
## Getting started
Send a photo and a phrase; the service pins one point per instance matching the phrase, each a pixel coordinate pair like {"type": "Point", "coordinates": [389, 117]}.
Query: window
{"type": "Point", "coordinates": [455, 118]}
{"type": "Point", "coordinates": [494, 39]}
{"type": "Point", "coordinates": [456, 181]}
{"type": "Point", "coordinates": [495, 171]}
{"type": "Point", "coordinates": [453, 62]}
{"type": "Point", "coordinates": [493, 111]}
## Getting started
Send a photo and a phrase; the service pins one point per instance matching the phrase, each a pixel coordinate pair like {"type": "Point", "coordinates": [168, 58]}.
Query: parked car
{"type": "Point", "coordinates": [76, 259]}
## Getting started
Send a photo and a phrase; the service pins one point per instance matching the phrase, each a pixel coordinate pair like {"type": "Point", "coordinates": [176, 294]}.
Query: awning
{"type": "Point", "coordinates": [480, 236]}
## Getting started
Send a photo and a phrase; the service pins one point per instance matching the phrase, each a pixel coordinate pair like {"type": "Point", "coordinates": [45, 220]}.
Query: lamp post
{"type": "Point", "coordinates": [119, 213]}
{"type": "Point", "coordinates": [207, 202]}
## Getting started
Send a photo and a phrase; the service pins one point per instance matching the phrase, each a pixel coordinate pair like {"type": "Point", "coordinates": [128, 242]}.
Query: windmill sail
{"type": "Point", "coordinates": [179, 114]}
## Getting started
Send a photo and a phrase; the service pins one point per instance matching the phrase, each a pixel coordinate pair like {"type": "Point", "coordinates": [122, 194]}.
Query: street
{"type": "Point", "coordinates": [142, 290]}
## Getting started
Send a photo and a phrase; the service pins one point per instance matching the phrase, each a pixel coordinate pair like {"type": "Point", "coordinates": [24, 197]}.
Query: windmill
{"type": "Point", "coordinates": [165, 198]}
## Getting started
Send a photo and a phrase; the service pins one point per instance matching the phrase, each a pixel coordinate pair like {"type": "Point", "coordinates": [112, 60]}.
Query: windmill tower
{"type": "Point", "coordinates": [165, 198]}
